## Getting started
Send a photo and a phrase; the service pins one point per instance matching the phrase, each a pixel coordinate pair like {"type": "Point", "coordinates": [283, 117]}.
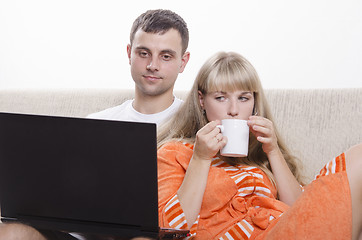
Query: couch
{"type": "Point", "coordinates": [317, 124]}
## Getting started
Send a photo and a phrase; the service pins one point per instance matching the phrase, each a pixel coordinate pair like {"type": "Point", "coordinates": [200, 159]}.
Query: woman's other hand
{"type": "Point", "coordinates": [263, 129]}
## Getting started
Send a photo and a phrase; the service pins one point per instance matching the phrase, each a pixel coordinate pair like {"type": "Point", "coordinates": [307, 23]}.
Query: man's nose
{"type": "Point", "coordinates": [153, 65]}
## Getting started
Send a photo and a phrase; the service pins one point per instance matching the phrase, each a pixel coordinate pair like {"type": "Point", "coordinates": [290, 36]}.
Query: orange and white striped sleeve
{"type": "Point", "coordinates": [173, 159]}
{"type": "Point", "coordinates": [338, 164]}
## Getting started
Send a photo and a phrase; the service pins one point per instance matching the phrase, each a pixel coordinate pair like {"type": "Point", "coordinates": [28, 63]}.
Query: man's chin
{"type": "Point", "coordinates": [153, 92]}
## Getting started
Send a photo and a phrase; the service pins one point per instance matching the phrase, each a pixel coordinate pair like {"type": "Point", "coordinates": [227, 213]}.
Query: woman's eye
{"type": "Point", "coordinates": [243, 99]}
{"type": "Point", "coordinates": [220, 98]}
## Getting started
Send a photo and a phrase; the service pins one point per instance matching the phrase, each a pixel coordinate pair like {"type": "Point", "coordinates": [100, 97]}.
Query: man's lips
{"type": "Point", "coordinates": [151, 78]}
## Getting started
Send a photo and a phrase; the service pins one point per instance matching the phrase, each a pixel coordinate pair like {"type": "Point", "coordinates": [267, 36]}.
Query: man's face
{"type": "Point", "coordinates": [156, 60]}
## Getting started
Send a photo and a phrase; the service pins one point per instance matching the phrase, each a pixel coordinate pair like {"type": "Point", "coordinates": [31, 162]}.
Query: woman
{"type": "Point", "coordinates": [256, 197]}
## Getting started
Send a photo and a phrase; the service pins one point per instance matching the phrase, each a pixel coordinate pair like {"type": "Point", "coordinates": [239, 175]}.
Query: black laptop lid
{"type": "Point", "coordinates": [78, 170]}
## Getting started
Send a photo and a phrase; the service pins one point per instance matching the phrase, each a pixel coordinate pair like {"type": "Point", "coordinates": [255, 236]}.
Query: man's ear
{"type": "Point", "coordinates": [184, 61]}
{"type": "Point", "coordinates": [129, 49]}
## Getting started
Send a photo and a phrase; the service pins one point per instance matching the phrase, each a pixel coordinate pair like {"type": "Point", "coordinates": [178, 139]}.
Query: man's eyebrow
{"type": "Point", "coordinates": [169, 51]}
{"type": "Point", "coordinates": [143, 48]}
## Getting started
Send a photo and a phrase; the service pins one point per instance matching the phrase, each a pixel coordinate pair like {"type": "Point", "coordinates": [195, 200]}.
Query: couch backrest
{"type": "Point", "coordinates": [317, 124]}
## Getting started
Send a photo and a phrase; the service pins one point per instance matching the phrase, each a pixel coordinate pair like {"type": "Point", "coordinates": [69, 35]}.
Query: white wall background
{"type": "Point", "coordinates": [82, 43]}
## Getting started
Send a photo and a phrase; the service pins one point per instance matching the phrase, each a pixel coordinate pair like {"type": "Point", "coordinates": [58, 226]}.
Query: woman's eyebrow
{"type": "Point", "coordinates": [225, 92]}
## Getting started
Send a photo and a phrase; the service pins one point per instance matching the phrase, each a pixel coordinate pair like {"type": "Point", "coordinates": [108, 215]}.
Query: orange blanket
{"type": "Point", "coordinates": [240, 203]}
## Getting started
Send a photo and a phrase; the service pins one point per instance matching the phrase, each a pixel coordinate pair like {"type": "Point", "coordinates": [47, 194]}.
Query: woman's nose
{"type": "Point", "coordinates": [233, 110]}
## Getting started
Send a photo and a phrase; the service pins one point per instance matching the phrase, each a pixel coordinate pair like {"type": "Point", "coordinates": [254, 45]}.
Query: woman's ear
{"type": "Point", "coordinates": [255, 112]}
{"type": "Point", "coordinates": [201, 99]}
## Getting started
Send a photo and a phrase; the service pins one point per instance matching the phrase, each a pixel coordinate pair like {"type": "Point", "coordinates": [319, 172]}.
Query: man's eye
{"type": "Point", "coordinates": [166, 57]}
{"type": "Point", "coordinates": [143, 54]}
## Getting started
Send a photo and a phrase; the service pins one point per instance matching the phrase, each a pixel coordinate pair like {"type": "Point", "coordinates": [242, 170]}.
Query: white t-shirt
{"type": "Point", "coordinates": [126, 112]}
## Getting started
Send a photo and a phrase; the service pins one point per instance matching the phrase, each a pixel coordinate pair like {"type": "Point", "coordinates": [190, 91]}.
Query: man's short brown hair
{"type": "Point", "coordinates": [160, 21]}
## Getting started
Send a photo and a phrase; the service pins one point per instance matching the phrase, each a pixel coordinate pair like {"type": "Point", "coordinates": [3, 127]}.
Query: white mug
{"type": "Point", "coordinates": [237, 133]}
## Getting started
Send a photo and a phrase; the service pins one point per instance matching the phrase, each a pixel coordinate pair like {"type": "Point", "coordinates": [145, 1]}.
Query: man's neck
{"type": "Point", "coordinates": [152, 104]}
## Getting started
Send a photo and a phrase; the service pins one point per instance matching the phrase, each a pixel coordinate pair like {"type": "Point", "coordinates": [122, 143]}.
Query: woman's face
{"type": "Point", "coordinates": [227, 105]}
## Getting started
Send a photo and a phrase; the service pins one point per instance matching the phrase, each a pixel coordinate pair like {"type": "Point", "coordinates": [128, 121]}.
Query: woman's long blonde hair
{"type": "Point", "coordinates": [225, 71]}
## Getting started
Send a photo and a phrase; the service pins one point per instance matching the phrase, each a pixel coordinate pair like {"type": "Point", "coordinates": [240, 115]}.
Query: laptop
{"type": "Point", "coordinates": [80, 175]}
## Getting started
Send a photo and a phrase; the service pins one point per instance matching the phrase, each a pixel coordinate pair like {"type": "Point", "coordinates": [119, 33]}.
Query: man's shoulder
{"type": "Point", "coordinates": [111, 113]}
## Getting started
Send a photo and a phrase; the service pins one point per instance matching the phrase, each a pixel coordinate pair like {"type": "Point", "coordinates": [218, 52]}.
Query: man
{"type": "Point", "coordinates": [157, 54]}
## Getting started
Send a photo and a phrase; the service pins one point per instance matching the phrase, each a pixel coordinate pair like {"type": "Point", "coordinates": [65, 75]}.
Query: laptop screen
{"type": "Point", "coordinates": [74, 170]}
